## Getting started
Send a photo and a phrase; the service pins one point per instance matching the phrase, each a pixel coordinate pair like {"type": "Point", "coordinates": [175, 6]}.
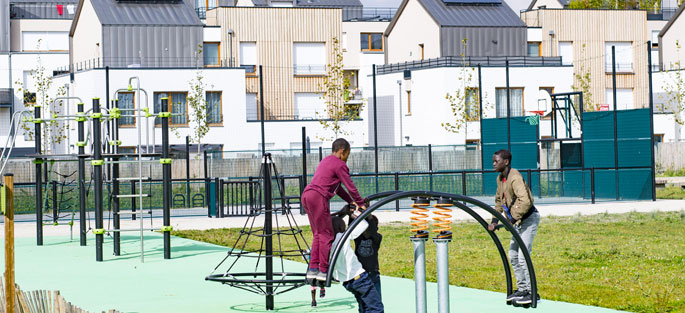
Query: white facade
{"type": "Point", "coordinates": [664, 118]}
{"type": "Point", "coordinates": [420, 123]}
{"type": "Point", "coordinates": [234, 132]}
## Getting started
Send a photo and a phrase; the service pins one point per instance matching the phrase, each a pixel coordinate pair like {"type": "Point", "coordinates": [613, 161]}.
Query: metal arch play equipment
{"type": "Point", "coordinates": [459, 201]}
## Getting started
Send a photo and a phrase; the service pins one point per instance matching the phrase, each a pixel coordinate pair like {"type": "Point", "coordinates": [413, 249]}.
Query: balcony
{"type": "Point", "coordinates": [457, 61]}
{"type": "Point", "coordinates": [6, 95]}
{"type": "Point", "coordinates": [310, 69]}
{"type": "Point", "coordinates": [42, 10]}
{"type": "Point", "coordinates": [621, 68]}
{"type": "Point", "coordinates": [368, 14]}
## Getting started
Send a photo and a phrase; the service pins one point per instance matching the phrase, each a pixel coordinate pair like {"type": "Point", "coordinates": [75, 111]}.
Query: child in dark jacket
{"type": "Point", "coordinates": [366, 248]}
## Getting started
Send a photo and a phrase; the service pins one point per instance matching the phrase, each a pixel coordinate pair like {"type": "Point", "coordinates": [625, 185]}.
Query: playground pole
{"type": "Point", "coordinates": [9, 243]}
{"type": "Point", "coordinates": [651, 117]}
{"type": "Point", "coordinates": [115, 185]}
{"type": "Point", "coordinates": [375, 126]}
{"type": "Point", "coordinates": [39, 177]}
{"type": "Point", "coordinates": [304, 165]}
{"type": "Point", "coordinates": [268, 243]}
{"type": "Point", "coordinates": [613, 87]}
{"type": "Point", "coordinates": [443, 274]}
{"type": "Point", "coordinates": [187, 202]}
{"type": "Point", "coordinates": [97, 175]}
{"type": "Point", "coordinates": [480, 112]}
{"type": "Point", "coordinates": [166, 177]}
{"type": "Point", "coordinates": [261, 102]}
{"type": "Point", "coordinates": [420, 271]}
{"type": "Point", "coordinates": [508, 108]}
{"type": "Point", "coordinates": [81, 175]}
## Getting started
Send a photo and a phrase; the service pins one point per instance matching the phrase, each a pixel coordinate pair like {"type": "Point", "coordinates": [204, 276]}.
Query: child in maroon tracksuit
{"type": "Point", "coordinates": [331, 172]}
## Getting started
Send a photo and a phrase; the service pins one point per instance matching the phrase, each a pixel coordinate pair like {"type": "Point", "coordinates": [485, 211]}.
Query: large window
{"type": "Point", "coordinates": [214, 116]}
{"type": "Point", "coordinates": [534, 49]}
{"type": "Point", "coordinates": [127, 106]}
{"type": "Point", "coordinates": [624, 57]}
{"type": "Point", "coordinates": [248, 56]}
{"type": "Point", "coordinates": [309, 58]}
{"type": "Point", "coordinates": [566, 52]}
{"type": "Point", "coordinates": [179, 107]}
{"type": "Point", "coordinates": [307, 105]}
{"type": "Point", "coordinates": [624, 98]}
{"type": "Point", "coordinates": [516, 107]}
{"type": "Point", "coordinates": [372, 41]}
{"type": "Point", "coordinates": [44, 41]}
{"type": "Point", "coordinates": [211, 52]}
{"type": "Point", "coordinates": [251, 106]}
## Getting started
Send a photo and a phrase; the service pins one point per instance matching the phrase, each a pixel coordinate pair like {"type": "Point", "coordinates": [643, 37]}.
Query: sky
{"type": "Point", "coordinates": [516, 5]}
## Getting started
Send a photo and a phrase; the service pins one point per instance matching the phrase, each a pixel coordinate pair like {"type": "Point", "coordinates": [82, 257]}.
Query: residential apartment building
{"type": "Point", "coordinates": [32, 34]}
{"type": "Point", "coordinates": [671, 34]}
{"type": "Point", "coordinates": [584, 38]}
{"type": "Point", "coordinates": [425, 29]}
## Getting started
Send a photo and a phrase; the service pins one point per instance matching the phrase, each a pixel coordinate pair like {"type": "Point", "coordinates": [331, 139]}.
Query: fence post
{"type": "Point", "coordinates": [430, 166]}
{"type": "Point", "coordinates": [320, 154]}
{"type": "Point", "coordinates": [530, 182]}
{"type": "Point", "coordinates": [204, 161]}
{"type": "Point", "coordinates": [217, 196]}
{"type": "Point", "coordinates": [592, 184]}
{"type": "Point", "coordinates": [463, 182]}
{"type": "Point", "coordinates": [303, 180]}
{"type": "Point", "coordinates": [55, 211]}
{"type": "Point", "coordinates": [397, 187]}
{"type": "Point", "coordinates": [9, 242]}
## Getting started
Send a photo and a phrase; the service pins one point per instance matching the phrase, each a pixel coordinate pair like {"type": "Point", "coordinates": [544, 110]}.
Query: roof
{"type": "Point", "coordinates": [112, 12]}
{"type": "Point", "coordinates": [465, 15]}
{"type": "Point", "coordinates": [672, 20]}
{"type": "Point", "coordinates": [564, 3]}
{"type": "Point", "coordinates": [318, 3]}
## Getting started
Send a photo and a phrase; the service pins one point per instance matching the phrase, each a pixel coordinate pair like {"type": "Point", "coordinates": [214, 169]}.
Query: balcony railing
{"type": "Point", "coordinates": [41, 10]}
{"type": "Point", "coordinates": [6, 95]}
{"type": "Point", "coordinates": [457, 61]}
{"type": "Point", "coordinates": [620, 67]}
{"type": "Point", "coordinates": [135, 62]}
{"type": "Point", "coordinates": [367, 13]}
{"type": "Point", "coordinates": [309, 69]}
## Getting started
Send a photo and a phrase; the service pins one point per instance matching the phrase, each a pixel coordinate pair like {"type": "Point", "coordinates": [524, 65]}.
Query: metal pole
{"type": "Point", "coordinates": [443, 275]}
{"type": "Point", "coordinates": [188, 171]}
{"type": "Point", "coordinates": [420, 273]}
{"type": "Point", "coordinates": [651, 118]}
{"type": "Point", "coordinates": [375, 126]}
{"type": "Point", "coordinates": [133, 200]}
{"type": "Point", "coordinates": [430, 167]}
{"type": "Point", "coordinates": [55, 212]}
{"type": "Point", "coordinates": [39, 177]}
{"type": "Point", "coordinates": [115, 185]}
{"type": "Point", "coordinates": [304, 165]}
{"type": "Point", "coordinates": [268, 244]}
{"type": "Point", "coordinates": [613, 78]}
{"type": "Point", "coordinates": [81, 175]}
{"type": "Point", "coordinates": [592, 184]}
{"type": "Point", "coordinates": [261, 112]}
{"type": "Point", "coordinates": [9, 243]}
{"type": "Point", "coordinates": [97, 174]}
{"type": "Point", "coordinates": [480, 114]}
{"type": "Point", "coordinates": [166, 177]}
{"type": "Point", "coordinates": [204, 161]}
{"type": "Point", "coordinates": [320, 154]}
{"type": "Point", "coordinates": [508, 109]}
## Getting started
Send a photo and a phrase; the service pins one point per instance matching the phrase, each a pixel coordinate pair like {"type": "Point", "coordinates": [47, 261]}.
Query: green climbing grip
{"type": "Point", "coordinates": [165, 161]}
{"type": "Point", "coordinates": [97, 162]}
{"type": "Point", "coordinates": [96, 115]}
{"type": "Point", "coordinates": [2, 198]}
{"type": "Point", "coordinates": [99, 231]}
{"type": "Point", "coordinates": [164, 114]}
{"type": "Point", "coordinates": [38, 161]}
{"type": "Point", "coordinates": [115, 142]}
{"type": "Point", "coordinates": [80, 143]}
{"type": "Point", "coordinates": [167, 228]}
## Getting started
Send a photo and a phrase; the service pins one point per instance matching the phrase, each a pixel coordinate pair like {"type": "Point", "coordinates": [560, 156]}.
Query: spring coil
{"type": "Point", "coordinates": [444, 218]}
{"type": "Point", "coordinates": [420, 215]}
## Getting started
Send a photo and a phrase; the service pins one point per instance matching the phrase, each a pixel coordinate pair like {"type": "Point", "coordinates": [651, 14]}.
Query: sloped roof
{"type": "Point", "coordinates": [672, 20]}
{"type": "Point", "coordinates": [491, 15]}
{"type": "Point", "coordinates": [564, 3]}
{"type": "Point", "coordinates": [112, 12]}
{"type": "Point", "coordinates": [318, 3]}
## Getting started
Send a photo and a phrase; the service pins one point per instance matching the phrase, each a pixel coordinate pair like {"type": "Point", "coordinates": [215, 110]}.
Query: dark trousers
{"type": "Point", "coordinates": [319, 214]}
{"type": "Point", "coordinates": [376, 280]}
{"type": "Point", "coordinates": [368, 298]}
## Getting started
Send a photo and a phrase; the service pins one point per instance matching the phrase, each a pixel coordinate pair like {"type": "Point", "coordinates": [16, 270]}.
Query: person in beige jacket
{"type": "Point", "coordinates": [515, 201]}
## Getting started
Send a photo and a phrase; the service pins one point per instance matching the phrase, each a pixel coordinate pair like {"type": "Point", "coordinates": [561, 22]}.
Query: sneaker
{"type": "Point", "coordinates": [312, 273]}
{"type": "Point", "coordinates": [525, 299]}
{"type": "Point", "coordinates": [516, 295]}
{"type": "Point", "coordinates": [321, 276]}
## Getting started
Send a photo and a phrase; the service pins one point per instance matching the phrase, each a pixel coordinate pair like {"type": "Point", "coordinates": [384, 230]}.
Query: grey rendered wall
{"type": "Point", "coordinates": [4, 25]}
{"type": "Point", "coordinates": [510, 41]}
{"type": "Point", "coordinates": [151, 46]}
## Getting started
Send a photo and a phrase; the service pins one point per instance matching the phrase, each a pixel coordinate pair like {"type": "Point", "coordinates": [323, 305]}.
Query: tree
{"type": "Point", "coordinates": [464, 102]}
{"type": "Point", "coordinates": [197, 102]}
{"type": "Point", "coordinates": [583, 82]}
{"type": "Point", "coordinates": [675, 89]}
{"type": "Point", "coordinates": [338, 110]}
{"type": "Point", "coordinates": [52, 132]}
{"type": "Point", "coordinates": [650, 5]}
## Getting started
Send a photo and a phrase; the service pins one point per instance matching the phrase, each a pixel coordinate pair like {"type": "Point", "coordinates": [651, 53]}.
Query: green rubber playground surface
{"type": "Point", "coordinates": [178, 285]}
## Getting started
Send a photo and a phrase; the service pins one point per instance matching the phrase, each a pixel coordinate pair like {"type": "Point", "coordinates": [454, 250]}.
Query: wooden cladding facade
{"type": "Point", "coordinates": [589, 31]}
{"type": "Point", "coordinates": [275, 31]}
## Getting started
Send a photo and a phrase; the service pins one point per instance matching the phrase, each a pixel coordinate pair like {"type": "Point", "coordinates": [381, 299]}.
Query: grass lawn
{"type": "Point", "coordinates": [670, 193]}
{"type": "Point", "coordinates": [633, 261]}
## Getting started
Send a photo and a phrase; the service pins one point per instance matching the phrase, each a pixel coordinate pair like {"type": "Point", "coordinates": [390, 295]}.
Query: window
{"type": "Point", "coordinates": [282, 4]}
{"type": "Point", "coordinates": [566, 52]}
{"type": "Point", "coordinates": [251, 106]}
{"type": "Point", "coordinates": [211, 52]}
{"type": "Point", "coordinates": [534, 49]}
{"type": "Point", "coordinates": [624, 57]}
{"type": "Point", "coordinates": [45, 41]}
{"type": "Point", "coordinates": [127, 104]}
{"type": "Point", "coordinates": [309, 58]}
{"type": "Point", "coordinates": [179, 105]}
{"type": "Point", "coordinates": [624, 97]}
{"type": "Point", "coordinates": [248, 56]}
{"type": "Point", "coordinates": [214, 115]}
{"type": "Point", "coordinates": [344, 41]}
{"type": "Point", "coordinates": [516, 107]}
{"type": "Point", "coordinates": [308, 105]}
{"type": "Point", "coordinates": [372, 41]}
{"type": "Point", "coordinates": [655, 37]}
{"type": "Point", "coordinates": [472, 104]}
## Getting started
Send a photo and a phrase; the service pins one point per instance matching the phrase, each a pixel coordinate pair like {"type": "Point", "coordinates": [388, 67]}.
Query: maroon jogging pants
{"type": "Point", "coordinates": [319, 214]}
